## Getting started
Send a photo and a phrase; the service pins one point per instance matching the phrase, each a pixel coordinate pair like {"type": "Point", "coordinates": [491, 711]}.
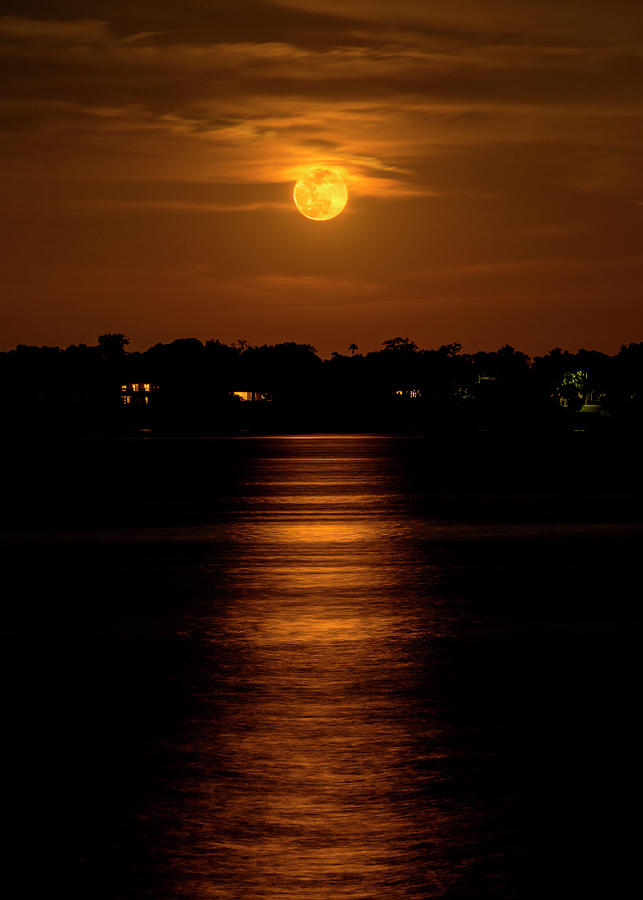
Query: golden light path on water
{"type": "Point", "coordinates": [313, 748]}
{"type": "Point", "coordinates": [323, 667]}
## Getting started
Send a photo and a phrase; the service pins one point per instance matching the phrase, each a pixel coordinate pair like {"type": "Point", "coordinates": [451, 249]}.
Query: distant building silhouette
{"type": "Point", "coordinates": [409, 393]}
{"type": "Point", "coordinates": [138, 393]}
{"type": "Point", "coordinates": [252, 396]}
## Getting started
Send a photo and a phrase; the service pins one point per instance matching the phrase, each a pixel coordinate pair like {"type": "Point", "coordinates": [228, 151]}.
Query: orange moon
{"type": "Point", "coordinates": [320, 195]}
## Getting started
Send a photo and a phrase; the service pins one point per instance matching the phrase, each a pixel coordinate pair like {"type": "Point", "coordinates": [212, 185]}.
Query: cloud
{"type": "Point", "coordinates": [279, 293]}
{"type": "Point", "coordinates": [245, 111]}
{"type": "Point", "coordinates": [176, 206]}
{"type": "Point", "coordinates": [529, 267]}
{"type": "Point", "coordinates": [577, 18]}
{"type": "Point", "coordinates": [52, 32]}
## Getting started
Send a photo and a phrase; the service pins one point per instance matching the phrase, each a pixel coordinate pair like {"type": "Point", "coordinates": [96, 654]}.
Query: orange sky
{"type": "Point", "coordinates": [493, 153]}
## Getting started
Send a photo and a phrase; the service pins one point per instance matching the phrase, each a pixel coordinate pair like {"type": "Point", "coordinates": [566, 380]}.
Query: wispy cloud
{"type": "Point", "coordinates": [267, 109]}
{"type": "Point", "coordinates": [177, 206]}
{"type": "Point", "coordinates": [575, 18]}
{"type": "Point", "coordinates": [55, 33]}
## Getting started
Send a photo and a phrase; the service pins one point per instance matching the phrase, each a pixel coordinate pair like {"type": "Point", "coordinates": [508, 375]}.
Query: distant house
{"type": "Point", "coordinates": [409, 393]}
{"type": "Point", "coordinates": [570, 390]}
{"type": "Point", "coordinates": [594, 402]}
{"type": "Point", "coordinates": [138, 393]}
{"type": "Point", "coordinates": [252, 396]}
{"type": "Point", "coordinates": [575, 392]}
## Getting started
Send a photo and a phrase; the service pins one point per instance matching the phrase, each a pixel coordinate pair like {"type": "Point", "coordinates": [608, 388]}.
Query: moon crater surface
{"type": "Point", "coordinates": [320, 195]}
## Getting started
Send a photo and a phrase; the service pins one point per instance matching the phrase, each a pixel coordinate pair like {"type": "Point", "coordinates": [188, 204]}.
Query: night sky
{"type": "Point", "coordinates": [493, 153]}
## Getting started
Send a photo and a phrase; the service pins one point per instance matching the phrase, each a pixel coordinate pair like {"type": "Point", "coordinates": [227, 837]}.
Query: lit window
{"type": "Point", "coordinates": [146, 387]}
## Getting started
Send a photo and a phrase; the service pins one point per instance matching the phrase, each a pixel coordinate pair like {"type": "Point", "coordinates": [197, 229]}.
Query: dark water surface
{"type": "Point", "coordinates": [319, 667]}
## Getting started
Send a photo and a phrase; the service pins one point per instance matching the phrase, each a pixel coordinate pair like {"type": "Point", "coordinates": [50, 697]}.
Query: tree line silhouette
{"type": "Point", "coordinates": [189, 385]}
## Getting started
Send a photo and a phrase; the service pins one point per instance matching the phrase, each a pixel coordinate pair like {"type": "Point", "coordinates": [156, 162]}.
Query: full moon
{"type": "Point", "coordinates": [321, 194]}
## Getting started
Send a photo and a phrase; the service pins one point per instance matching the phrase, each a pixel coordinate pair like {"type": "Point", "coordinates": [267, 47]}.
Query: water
{"type": "Point", "coordinates": [317, 667]}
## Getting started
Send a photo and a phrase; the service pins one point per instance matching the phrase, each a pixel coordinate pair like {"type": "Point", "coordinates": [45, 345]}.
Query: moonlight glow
{"type": "Point", "coordinates": [320, 194]}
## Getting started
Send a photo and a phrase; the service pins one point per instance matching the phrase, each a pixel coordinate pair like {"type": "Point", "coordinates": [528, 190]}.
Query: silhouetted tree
{"type": "Point", "coordinates": [397, 387]}
{"type": "Point", "coordinates": [112, 346]}
{"type": "Point", "coordinates": [400, 344]}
